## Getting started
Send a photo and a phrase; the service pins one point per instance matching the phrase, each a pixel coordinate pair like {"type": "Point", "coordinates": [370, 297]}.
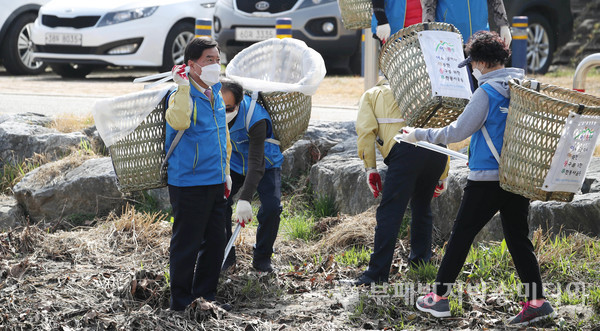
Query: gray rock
{"type": "Point", "coordinates": [11, 214]}
{"type": "Point", "coordinates": [161, 196]}
{"type": "Point", "coordinates": [27, 118]}
{"type": "Point", "coordinates": [318, 139]}
{"type": "Point", "coordinates": [67, 187]}
{"type": "Point", "coordinates": [19, 141]}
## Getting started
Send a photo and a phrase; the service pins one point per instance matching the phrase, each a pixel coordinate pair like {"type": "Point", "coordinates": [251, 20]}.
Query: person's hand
{"type": "Point", "coordinates": [441, 187]}
{"type": "Point", "coordinates": [408, 134]}
{"type": "Point", "coordinates": [227, 186]}
{"type": "Point", "coordinates": [179, 75]}
{"type": "Point", "coordinates": [505, 35]}
{"type": "Point", "coordinates": [374, 182]}
{"type": "Point", "coordinates": [243, 212]}
{"type": "Point", "coordinates": [383, 32]}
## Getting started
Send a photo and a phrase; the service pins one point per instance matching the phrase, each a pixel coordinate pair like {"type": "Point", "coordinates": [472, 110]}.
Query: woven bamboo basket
{"type": "Point", "coordinates": [533, 128]}
{"type": "Point", "coordinates": [138, 157]}
{"type": "Point", "coordinates": [402, 62]}
{"type": "Point", "coordinates": [356, 14]}
{"type": "Point", "coordinates": [290, 114]}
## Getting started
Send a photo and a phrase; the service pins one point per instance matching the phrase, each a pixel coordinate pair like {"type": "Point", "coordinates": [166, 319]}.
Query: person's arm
{"type": "Point", "coordinates": [379, 11]}
{"type": "Point", "coordinates": [466, 124]}
{"type": "Point", "coordinates": [256, 159]}
{"type": "Point", "coordinates": [428, 7]}
{"type": "Point", "coordinates": [498, 12]}
{"type": "Point", "coordinates": [179, 112]}
{"type": "Point", "coordinates": [229, 148]}
{"type": "Point", "coordinates": [367, 128]}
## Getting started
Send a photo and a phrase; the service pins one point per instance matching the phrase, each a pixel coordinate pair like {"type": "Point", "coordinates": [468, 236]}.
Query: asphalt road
{"type": "Point", "coordinates": [51, 95]}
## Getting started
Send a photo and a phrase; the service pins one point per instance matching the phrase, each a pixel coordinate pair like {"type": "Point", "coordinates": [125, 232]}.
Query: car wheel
{"type": "Point", "coordinates": [541, 44]}
{"type": "Point", "coordinates": [179, 36]}
{"type": "Point", "coordinates": [18, 48]}
{"type": "Point", "coordinates": [70, 70]}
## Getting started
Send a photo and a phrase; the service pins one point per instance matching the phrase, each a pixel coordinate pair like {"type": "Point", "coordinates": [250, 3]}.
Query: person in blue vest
{"type": "Point", "coordinates": [389, 16]}
{"type": "Point", "coordinates": [484, 119]}
{"type": "Point", "coordinates": [255, 167]}
{"type": "Point", "coordinates": [198, 174]}
{"type": "Point", "coordinates": [468, 16]}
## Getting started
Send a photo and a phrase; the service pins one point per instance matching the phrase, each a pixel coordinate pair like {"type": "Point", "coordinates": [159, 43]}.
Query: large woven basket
{"type": "Point", "coordinates": [402, 62]}
{"type": "Point", "coordinates": [290, 114]}
{"type": "Point", "coordinates": [138, 157]}
{"type": "Point", "coordinates": [356, 14]}
{"type": "Point", "coordinates": [533, 128]}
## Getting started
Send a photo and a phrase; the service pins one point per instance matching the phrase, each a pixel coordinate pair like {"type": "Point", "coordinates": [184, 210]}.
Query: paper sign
{"type": "Point", "coordinates": [573, 154]}
{"type": "Point", "coordinates": [443, 51]}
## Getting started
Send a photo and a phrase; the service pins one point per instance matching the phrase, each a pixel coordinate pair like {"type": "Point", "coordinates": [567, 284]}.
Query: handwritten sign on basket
{"type": "Point", "coordinates": [443, 51]}
{"type": "Point", "coordinates": [573, 154]}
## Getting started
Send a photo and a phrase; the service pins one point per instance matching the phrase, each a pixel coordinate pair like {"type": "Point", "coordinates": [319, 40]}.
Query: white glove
{"type": "Point", "coordinates": [440, 188]}
{"type": "Point", "coordinates": [408, 134]}
{"type": "Point", "coordinates": [374, 182]}
{"type": "Point", "coordinates": [505, 35]}
{"type": "Point", "coordinates": [243, 212]}
{"type": "Point", "coordinates": [227, 186]}
{"type": "Point", "coordinates": [179, 75]}
{"type": "Point", "coordinates": [383, 32]}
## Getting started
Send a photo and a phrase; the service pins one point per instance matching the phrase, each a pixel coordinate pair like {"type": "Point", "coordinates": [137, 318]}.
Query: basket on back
{"type": "Point", "coordinates": [533, 129]}
{"type": "Point", "coordinates": [402, 62]}
{"type": "Point", "coordinates": [286, 72]}
{"type": "Point", "coordinates": [133, 127]}
{"type": "Point", "coordinates": [356, 14]}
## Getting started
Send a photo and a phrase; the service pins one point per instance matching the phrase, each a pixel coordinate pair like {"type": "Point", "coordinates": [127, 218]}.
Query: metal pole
{"type": "Point", "coordinates": [371, 60]}
{"type": "Point", "coordinates": [582, 70]}
{"type": "Point", "coordinates": [519, 42]}
{"type": "Point", "coordinates": [234, 236]}
{"type": "Point", "coordinates": [203, 27]}
{"type": "Point", "coordinates": [283, 27]}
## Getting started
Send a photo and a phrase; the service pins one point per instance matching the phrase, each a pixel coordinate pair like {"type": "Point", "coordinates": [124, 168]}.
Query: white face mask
{"type": "Point", "coordinates": [476, 73]}
{"type": "Point", "coordinates": [210, 74]}
{"type": "Point", "coordinates": [231, 115]}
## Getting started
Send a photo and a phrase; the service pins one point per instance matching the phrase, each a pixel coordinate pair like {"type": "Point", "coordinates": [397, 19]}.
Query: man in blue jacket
{"type": "Point", "coordinates": [255, 167]}
{"type": "Point", "coordinates": [197, 171]}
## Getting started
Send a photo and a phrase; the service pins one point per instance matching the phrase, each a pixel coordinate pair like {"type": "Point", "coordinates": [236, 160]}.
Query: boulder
{"type": "Point", "coordinates": [19, 141]}
{"type": "Point", "coordinates": [69, 187]}
{"type": "Point", "coordinates": [314, 145]}
{"type": "Point", "coordinates": [28, 118]}
{"type": "Point", "coordinates": [11, 214]}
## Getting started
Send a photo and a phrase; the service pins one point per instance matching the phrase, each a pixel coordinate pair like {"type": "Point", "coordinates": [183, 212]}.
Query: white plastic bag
{"type": "Point", "coordinates": [117, 117]}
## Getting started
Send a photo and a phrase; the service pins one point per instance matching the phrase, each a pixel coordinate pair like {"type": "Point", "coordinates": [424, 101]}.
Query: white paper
{"type": "Point", "coordinates": [443, 51]}
{"type": "Point", "coordinates": [573, 154]}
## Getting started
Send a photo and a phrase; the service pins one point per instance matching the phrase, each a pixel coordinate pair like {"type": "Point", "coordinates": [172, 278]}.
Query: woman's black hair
{"type": "Point", "coordinates": [234, 87]}
{"type": "Point", "coordinates": [488, 47]}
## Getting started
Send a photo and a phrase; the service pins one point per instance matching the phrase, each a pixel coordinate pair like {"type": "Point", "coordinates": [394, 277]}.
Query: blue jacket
{"type": "Point", "coordinates": [480, 155]}
{"type": "Point", "coordinates": [200, 158]}
{"type": "Point", "coordinates": [240, 142]}
{"type": "Point", "coordinates": [469, 16]}
{"type": "Point", "coordinates": [398, 16]}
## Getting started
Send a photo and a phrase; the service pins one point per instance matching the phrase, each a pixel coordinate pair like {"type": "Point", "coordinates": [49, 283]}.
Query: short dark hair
{"type": "Point", "coordinates": [234, 87]}
{"type": "Point", "coordinates": [488, 47]}
{"type": "Point", "coordinates": [195, 48]}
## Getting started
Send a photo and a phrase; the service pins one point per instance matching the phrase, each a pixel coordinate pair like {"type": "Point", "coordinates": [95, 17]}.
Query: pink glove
{"type": "Point", "coordinates": [179, 75]}
{"type": "Point", "coordinates": [374, 182]}
{"type": "Point", "coordinates": [440, 188]}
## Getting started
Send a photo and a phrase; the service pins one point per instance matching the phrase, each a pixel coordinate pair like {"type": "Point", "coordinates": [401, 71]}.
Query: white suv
{"type": "Point", "coordinates": [76, 36]}
{"type": "Point", "coordinates": [16, 19]}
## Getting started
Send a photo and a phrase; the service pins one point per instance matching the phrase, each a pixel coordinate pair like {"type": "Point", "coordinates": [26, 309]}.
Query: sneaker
{"type": "Point", "coordinates": [263, 265]}
{"type": "Point", "coordinates": [434, 304]}
{"type": "Point", "coordinates": [529, 314]}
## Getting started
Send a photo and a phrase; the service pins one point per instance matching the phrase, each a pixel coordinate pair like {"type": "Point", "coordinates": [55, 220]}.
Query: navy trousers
{"type": "Point", "coordinates": [412, 175]}
{"type": "Point", "coordinates": [269, 193]}
{"type": "Point", "coordinates": [197, 244]}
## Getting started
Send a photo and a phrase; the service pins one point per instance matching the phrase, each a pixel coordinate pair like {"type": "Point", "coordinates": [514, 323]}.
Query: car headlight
{"type": "Point", "coordinates": [310, 3]}
{"type": "Point", "coordinates": [126, 15]}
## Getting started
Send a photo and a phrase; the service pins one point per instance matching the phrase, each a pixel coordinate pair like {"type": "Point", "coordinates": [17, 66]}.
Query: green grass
{"type": "Point", "coordinates": [298, 226]}
{"type": "Point", "coordinates": [354, 257]}
{"type": "Point", "coordinates": [324, 206]}
{"type": "Point", "coordinates": [424, 273]}
{"type": "Point", "coordinates": [13, 172]}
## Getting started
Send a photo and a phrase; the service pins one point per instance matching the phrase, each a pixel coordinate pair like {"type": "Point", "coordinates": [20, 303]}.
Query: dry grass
{"type": "Point", "coordinates": [339, 91]}
{"type": "Point", "coordinates": [67, 123]}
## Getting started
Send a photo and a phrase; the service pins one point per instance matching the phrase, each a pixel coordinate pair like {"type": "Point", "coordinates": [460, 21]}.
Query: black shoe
{"type": "Point", "coordinates": [362, 280]}
{"type": "Point", "coordinates": [263, 264]}
{"type": "Point", "coordinates": [226, 306]}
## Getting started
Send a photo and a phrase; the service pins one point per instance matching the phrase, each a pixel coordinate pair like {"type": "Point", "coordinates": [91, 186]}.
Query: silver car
{"type": "Point", "coordinates": [240, 23]}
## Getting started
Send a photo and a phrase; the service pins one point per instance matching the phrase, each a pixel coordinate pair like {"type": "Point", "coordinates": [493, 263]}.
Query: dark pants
{"type": "Point", "coordinates": [269, 193]}
{"type": "Point", "coordinates": [480, 202]}
{"type": "Point", "coordinates": [412, 174]}
{"type": "Point", "coordinates": [197, 243]}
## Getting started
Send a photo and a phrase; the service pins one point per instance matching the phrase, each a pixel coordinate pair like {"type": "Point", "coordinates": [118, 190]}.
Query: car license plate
{"type": "Point", "coordinates": [63, 39]}
{"type": "Point", "coordinates": [254, 34]}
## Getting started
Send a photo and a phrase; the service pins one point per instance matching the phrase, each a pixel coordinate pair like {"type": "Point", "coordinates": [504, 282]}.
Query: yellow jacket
{"type": "Point", "coordinates": [378, 121]}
